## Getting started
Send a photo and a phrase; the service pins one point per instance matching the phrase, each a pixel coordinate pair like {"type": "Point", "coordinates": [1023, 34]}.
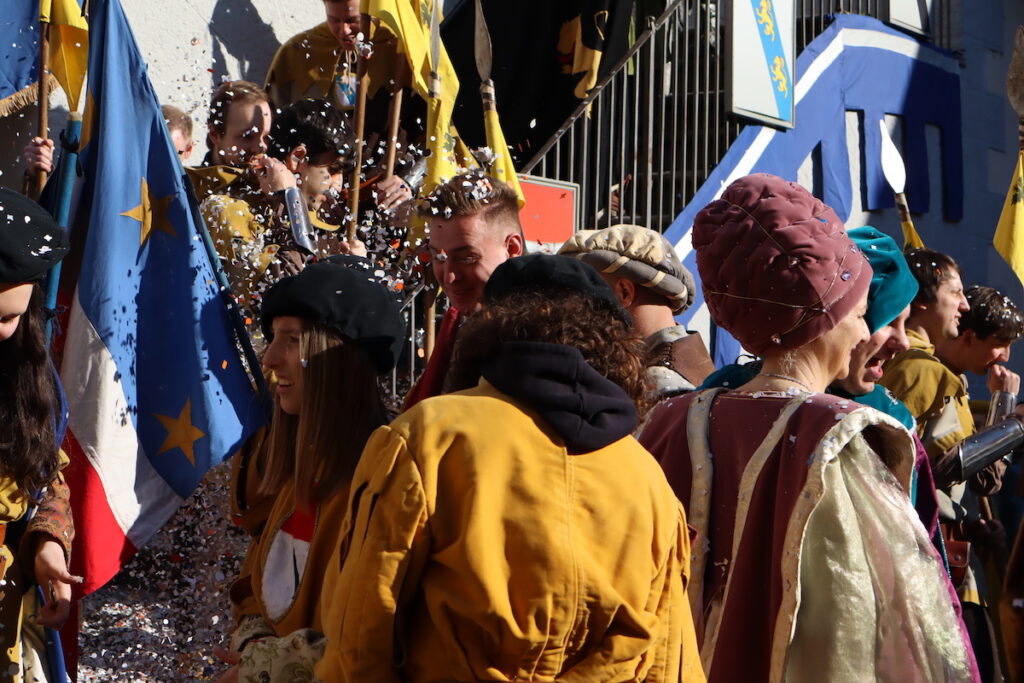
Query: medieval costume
{"type": "Point", "coordinates": [811, 560]}
{"type": "Point", "coordinates": [677, 360]}
{"type": "Point", "coordinates": [799, 515]}
{"type": "Point", "coordinates": [312, 64]}
{"type": "Point", "coordinates": [937, 397]}
{"type": "Point", "coordinates": [278, 592]}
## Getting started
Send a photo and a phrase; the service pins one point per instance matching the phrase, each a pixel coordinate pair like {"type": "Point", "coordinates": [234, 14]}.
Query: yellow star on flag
{"type": "Point", "coordinates": [151, 213]}
{"type": "Point", "coordinates": [181, 433]}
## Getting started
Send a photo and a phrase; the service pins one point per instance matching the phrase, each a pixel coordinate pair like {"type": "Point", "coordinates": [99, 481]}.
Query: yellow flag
{"type": "Point", "coordinates": [1009, 237]}
{"type": "Point", "coordinates": [69, 45]}
{"type": "Point", "coordinates": [911, 240]}
{"type": "Point", "coordinates": [502, 168]}
{"type": "Point", "coordinates": [409, 22]}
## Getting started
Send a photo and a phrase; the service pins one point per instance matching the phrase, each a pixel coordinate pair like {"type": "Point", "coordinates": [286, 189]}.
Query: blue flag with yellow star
{"type": "Point", "coordinates": [157, 392]}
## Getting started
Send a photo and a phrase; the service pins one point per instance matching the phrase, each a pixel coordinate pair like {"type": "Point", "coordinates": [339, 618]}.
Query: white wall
{"type": "Point", "coordinates": [190, 46]}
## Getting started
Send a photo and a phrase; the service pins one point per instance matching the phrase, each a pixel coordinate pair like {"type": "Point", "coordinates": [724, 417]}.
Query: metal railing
{"type": "Point", "coordinates": [650, 133]}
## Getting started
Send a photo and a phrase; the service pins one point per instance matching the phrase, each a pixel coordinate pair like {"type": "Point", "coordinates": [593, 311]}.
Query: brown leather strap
{"type": "Point", "coordinates": [958, 552]}
{"type": "Point", "coordinates": [690, 359]}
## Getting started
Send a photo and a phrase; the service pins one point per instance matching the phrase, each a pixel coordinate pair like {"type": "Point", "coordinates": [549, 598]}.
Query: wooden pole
{"type": "Point", "coordinates": [430, 320]}
{"type": "Point", "coordinates": [39, 180]}
{"type": "Point", "coordinates": [911, 240]}
{"type": "Point", "coordinates": [362, 69]}
{"type": "Point", "coordinates": [395, 114]}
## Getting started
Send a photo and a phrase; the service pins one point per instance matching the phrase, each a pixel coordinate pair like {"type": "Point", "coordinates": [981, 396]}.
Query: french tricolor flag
{"type": "Point", "coordinates": [157, 393]}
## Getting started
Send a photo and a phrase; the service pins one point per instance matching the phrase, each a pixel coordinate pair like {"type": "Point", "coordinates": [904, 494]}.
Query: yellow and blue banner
{"type": "Point", "coordinates": [19, 53]}
{"type": "Point", "coordinates": [1009, 237]}
{"type": "Point", "coordinates": [762, 55]}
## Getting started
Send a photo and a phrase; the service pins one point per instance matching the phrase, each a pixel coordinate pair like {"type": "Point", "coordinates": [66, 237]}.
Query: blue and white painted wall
{"type": "Point", "coordinates": [948, 114]}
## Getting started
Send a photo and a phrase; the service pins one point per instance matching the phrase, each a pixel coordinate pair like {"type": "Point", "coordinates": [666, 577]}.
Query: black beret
{"type": "Point", "coordinates": [31, 242]}
{"type": "Point", "coordinates": [549, 273]}
{"type": "Point", "coordinates": [348, 300]}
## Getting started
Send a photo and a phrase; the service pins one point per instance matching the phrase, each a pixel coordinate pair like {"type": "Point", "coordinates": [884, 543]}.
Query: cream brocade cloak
{"type": "Point", "coordinates": [864, 597]}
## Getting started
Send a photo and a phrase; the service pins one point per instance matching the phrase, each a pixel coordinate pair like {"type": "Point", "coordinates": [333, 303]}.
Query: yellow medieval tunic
{"type": "Point", "coordinates": [310, 64]}
{"type": "Point", "coordinates": [210, 180]}
{"type": "Point", "coordinates": [477, 548]}
{"type": "Point", "coordinates": [278, 591]}
{"type": "Point", "coordinates": [248, 233]}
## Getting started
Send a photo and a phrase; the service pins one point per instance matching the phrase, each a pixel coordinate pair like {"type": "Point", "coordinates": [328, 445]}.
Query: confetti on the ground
{"type": "Point", "coordinates": [161, 616]}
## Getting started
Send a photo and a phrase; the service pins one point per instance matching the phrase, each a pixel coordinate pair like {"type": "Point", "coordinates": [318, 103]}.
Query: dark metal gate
{"type": "Point", "coordinates": [652, 131]}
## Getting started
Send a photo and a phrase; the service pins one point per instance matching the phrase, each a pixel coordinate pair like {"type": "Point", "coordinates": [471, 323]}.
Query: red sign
{"type": "Point", "coordinates": [549, 214]}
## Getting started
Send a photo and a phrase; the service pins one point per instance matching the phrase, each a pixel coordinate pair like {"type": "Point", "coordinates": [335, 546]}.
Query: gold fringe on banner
{"type": "Point", "coordinates": [24, 97]}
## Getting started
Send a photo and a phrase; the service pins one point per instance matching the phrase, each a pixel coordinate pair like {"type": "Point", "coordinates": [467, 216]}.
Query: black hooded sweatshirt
{"type": "Point", "coordinates": [587, 410]}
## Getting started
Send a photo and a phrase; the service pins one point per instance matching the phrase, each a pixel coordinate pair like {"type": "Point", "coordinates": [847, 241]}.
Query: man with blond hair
{"type": "Point", "coordinates": [473, 224]}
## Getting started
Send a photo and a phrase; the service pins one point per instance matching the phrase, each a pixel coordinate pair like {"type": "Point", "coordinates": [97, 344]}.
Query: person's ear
{"type": "Point", "coordinates": [625, 291]}
{"type": "Point", "coordinates": [295, 158]}
{"type": "Point", "coordinates": [968, 337]}
{"type": "Point", "coordinates": [213, 133]}
{"type": "Point", "coordinates": [514, 245]}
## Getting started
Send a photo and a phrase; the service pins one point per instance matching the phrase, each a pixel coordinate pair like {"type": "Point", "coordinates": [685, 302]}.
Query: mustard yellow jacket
{"type": "Point", "coordinates": [477, 549]}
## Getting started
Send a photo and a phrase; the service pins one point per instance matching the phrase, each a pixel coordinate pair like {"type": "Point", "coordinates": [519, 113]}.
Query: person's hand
{"type": "Point", "coordinates": [53, 576]}
{"type": "Point", "coordinates": [988, 537]}
{"type": "Point", "coordinates": [38, 155]}
{"type": "Point", "coordinates": [273, 175]}
{"type": "Point", "coordinates": [288, 262]}
{"type": "Point", "coordinates": [1002, 379]}
{"type": "Point", "coordinates": [391, 192]}
{"type": "Point", "coordinates": [354, 247]}
{"type": "Point", "coordinates": [231, 658]}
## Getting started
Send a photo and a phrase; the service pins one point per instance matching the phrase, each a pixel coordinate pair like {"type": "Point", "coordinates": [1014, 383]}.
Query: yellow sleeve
{"type": "Point", "coordinates": [243, 598]}
{"type": "Point", "coordinates": [278, 84]}
{"type": "Point", "coordinates": [691, 669]}
{"type": "Point", "coordinates": [382, 551]}
{"type": "Point", "coordinates": [675, 656]}
{"type": "Point", "coordinates": [915, 382]}
{"type": "Point", "coordinates": [238, 237]}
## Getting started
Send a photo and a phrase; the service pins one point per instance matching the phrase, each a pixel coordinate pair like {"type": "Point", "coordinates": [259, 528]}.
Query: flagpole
{"type": "Point", "coordinates": [70, 139]}
{"type": "Point", "coordinates": [395, 115]}
{"type": "Point", "coordinates": [895, 173]}
{"type": "Point", "coordinates": [433, 92]}
{"type": "Point", "coordinates": [39, 179]}
{"type": "Point", "coordinates": [234, 312]}
{"type": "Point", "coordinates": [362, 69]}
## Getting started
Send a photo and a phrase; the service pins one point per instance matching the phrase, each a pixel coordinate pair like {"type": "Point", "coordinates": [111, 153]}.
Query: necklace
{"type": "Point", "coordinates": [788, 378]}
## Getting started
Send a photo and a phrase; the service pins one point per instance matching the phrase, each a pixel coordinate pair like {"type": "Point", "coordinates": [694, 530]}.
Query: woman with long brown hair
{"type": "Point", "coordinates": [332, 330]}
{"type": "Point", "coordinates": [35, 516]}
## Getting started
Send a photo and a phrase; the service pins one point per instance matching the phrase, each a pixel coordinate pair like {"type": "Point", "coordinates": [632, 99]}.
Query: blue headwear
{"type": "Point", "coordinates": [893, 286]}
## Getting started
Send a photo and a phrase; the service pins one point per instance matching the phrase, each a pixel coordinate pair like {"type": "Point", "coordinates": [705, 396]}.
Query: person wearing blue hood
{"type": "Point", "coordinates": [514, 529]}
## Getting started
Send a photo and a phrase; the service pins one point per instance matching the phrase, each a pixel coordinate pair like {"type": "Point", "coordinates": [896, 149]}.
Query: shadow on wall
{"type": "Point", "coordinates": [238, 30]}
{"type": "Point", "coordinates": [15, 132]}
